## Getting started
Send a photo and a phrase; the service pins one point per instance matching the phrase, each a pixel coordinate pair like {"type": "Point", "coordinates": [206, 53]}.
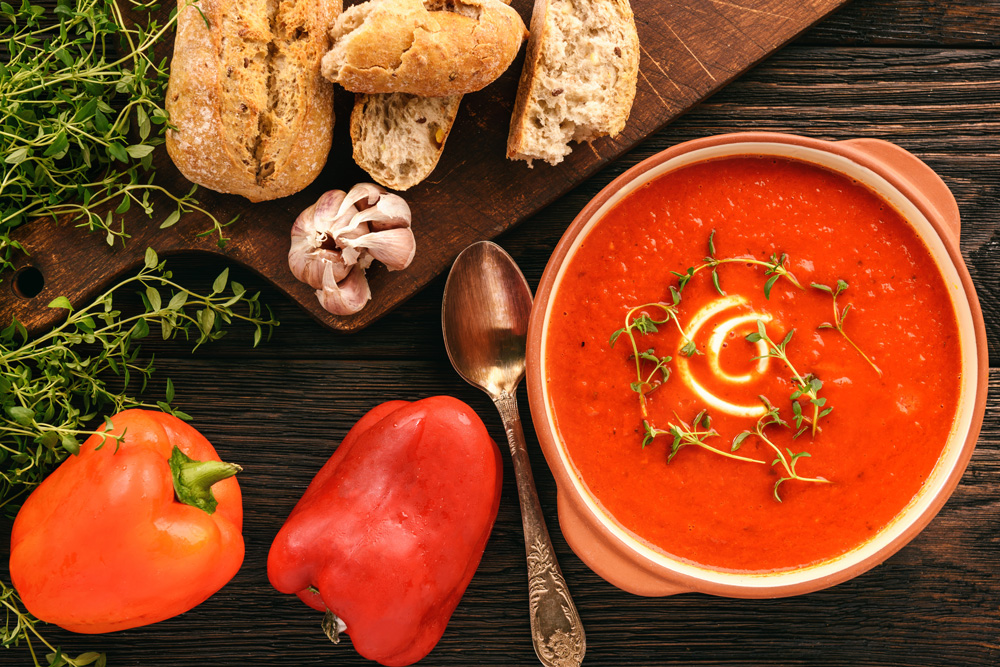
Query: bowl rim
{"type": "Point", "coordinates": [937, 225]}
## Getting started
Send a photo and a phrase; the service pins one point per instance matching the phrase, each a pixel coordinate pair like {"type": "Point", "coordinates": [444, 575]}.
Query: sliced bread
{"type": "Point", "coordinates": [578, 80]}
{"type": "Point", "coordinates": [398, 137]}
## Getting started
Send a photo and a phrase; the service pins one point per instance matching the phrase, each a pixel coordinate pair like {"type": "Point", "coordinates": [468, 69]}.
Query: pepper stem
{"type": "Point", "coordinates": [333, 626]}
{"type": "Point", "coordinates": [193, 480]}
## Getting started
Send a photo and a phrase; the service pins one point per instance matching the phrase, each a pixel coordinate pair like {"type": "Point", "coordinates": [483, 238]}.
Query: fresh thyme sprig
{"type": "Point", "coordinates": [788, 463]}
{"type": "Point", "coordinates": [839, 315]}
{"type": "Point", "coordinates": [805, 385]}
{"type": "Point", "coordinates": [685, 435]}
{"type": "Point", "coordinates": [639, 322]}
{"type": "Point", "coordinates": [82, 113]}
{"type": "Point", "coordinates": [775, 269]}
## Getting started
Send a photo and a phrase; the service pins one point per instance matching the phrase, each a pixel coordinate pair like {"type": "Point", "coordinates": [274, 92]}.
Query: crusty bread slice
{"type": "Point", "coordinates": [398, 137]}
{"type": "Point", "coordinates": [578, 80]}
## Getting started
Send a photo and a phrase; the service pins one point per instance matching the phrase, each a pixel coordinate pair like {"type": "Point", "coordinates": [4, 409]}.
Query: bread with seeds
{"type": "Point", "coordinates": [252, 112]}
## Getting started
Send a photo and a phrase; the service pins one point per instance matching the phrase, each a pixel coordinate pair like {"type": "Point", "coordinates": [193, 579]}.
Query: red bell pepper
{"type": "Point", "coordinates": [105, 544]}
{"type": "Point", "coordinates": [392, 528]}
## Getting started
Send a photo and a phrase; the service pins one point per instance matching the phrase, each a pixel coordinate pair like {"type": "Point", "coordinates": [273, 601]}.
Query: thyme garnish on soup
{"type": "Point", "coordinates": [807, 386]}
{"type": "Point", "coordinates": [653, 370]}
{"type": "Point", "coordinates": [774, 268]}
{"type": "Point", "coordinates": [839, 315]}
{"type": "Point", "coordinates": [773, 418]}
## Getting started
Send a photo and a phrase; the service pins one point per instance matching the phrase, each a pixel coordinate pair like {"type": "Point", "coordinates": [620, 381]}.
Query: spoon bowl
{"type": "Point", "coordinates": [484, 317]}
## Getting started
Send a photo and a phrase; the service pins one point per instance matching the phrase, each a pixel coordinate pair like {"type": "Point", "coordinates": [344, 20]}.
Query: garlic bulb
{"type": "Point", "coordinates": [338, 237]}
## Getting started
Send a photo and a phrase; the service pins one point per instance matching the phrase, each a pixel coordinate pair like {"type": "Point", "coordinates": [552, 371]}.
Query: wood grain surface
{"type": "Point", "coordinates": [690, 48]}
{"type": "Point", "coordinates": [924, 74]}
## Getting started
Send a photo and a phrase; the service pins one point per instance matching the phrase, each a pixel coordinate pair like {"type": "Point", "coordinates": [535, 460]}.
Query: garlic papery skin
{"type": "Point", "coordinates": [338, 237]}
{"type": "Point", "coordinates": [361, 196]}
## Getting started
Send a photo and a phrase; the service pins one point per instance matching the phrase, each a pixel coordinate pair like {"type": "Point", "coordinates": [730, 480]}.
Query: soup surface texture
{"type": "Point", "coordinates": [885, 432]}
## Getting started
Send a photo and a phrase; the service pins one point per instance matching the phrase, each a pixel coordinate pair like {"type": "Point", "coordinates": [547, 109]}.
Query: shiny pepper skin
{"type": "Point", "coordinates": [103, 544]}
{"type": "Point", "coordinates": [392, 528]}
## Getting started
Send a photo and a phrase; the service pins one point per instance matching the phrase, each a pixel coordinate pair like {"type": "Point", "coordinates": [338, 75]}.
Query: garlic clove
{"type": "Point", "coordinates": [393, 247]}
{"type": "Point", "coordinates": [361, 196]}
{"type": "Point", "coordinates": [347, 296]}
{"type": "Point", "coordinates": [327, 207]}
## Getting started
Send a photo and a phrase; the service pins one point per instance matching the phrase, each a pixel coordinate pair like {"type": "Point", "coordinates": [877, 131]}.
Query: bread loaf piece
{"type": "Point", "coordinates": [398, 137]}
{"type": "Point", "coordinates": [578, 80]}
{"type": "Point", "coordinates": [253, 114]}
{"type": "Point", "coordinates": [399, 46]}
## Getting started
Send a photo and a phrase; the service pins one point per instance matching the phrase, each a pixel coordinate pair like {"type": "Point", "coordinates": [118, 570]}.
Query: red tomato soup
{"type": "Point", "coordinates": [875, 448]}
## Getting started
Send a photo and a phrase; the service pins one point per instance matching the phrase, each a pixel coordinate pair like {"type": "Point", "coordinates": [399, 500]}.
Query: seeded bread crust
{"type": "Point", "coordinates": [398, 138]}
{"type": "Point", "coordinates": [579, 77]}
{"type": "Point", "coordinates": [253, 114]}
{"type": "Point", "coordinates": [399, 46]}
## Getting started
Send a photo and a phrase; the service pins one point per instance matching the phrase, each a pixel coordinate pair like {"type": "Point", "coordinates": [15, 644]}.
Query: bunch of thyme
{"type": "Point", "coordinates": [81, 112]}
{"type": "Point", "coordinates": [54, 388]}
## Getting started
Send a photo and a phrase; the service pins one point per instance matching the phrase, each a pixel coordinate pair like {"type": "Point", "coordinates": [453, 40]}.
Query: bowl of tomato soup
{"type": "Point", "coordinates": [757, 365]}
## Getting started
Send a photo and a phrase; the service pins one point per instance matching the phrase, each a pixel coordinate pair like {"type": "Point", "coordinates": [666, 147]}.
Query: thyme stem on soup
{"type": "Point", "coordinates": [695, 434]}
{"type": "Point", "coordinates": [839, 315]}
{"type": "Point", "coordinates": [639, 321]}
{"type": "Point", "coordinates": [775, 269]}
{"type": "Point", "coordinates": [788, 462]}
{"type": "Point", "coordinates": [807, 386]}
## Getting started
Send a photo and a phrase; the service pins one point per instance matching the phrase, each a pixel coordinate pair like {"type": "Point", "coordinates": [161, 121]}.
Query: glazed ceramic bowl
{"type": "Point", "coordinates": [924, 200]}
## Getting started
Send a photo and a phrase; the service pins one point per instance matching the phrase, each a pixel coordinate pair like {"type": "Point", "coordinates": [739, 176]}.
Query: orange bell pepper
{"type": "Point", "coordinates": [104, 544]}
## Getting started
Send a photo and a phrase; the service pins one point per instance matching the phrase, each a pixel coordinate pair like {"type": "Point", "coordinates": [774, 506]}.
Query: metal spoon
{"type": "Point", "coordinates": [484, 317]}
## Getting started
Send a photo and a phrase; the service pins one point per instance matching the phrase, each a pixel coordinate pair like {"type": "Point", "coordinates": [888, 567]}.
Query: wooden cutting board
{"type": "Point", "coordinates": [689, 49]}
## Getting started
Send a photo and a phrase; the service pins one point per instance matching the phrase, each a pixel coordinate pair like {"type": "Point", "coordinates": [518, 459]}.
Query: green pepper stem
{"type": "Point", "coordinates": [193, 480]}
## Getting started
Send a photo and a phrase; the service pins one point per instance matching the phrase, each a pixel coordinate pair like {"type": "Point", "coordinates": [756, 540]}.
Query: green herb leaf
{"type": "Point", "coordinates": [20, 414]}
{"type": "Point", "coordinates": [220, 282]}
{"type": "Point", "coordinates": [139, 150]}
{"type": "Point", "coordinates": [171, 219]}
{"type": "Point", "coordinates": [769, 284]}
{"type": "Point", "coordinates": [738, 440]}
{"type": "Point", "coordinates": [61, 302]}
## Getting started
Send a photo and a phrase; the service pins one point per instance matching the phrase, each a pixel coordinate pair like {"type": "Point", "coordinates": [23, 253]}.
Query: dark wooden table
{"type": "Point", "coordinates": [922, 73]}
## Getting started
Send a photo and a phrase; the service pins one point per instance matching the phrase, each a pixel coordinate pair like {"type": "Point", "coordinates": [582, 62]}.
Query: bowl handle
{"type": "Point", "coordinates": [925, 186]}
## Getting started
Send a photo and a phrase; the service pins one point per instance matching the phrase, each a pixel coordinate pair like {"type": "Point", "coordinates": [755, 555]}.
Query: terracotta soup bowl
{"type": "Point", "coordinates": [607, 539]}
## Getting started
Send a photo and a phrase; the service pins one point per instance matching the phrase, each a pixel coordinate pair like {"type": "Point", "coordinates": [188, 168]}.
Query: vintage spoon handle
{"type": "Point", "coordinates": [556, 630]}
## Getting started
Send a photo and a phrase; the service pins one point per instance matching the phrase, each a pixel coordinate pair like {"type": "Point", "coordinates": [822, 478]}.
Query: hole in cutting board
{"type": "Point", "coordinates": [28, 282]}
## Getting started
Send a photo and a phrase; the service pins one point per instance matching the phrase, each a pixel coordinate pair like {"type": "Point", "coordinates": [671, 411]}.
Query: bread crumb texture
{"type": "Point", "coordinates": [253, 114]}
{"type": "Point", "coordinates": [446, 47]}
{"type": "Point", "coordinates": [399, 137]}
{"type": "Point", "coordinates": [579, 78]}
